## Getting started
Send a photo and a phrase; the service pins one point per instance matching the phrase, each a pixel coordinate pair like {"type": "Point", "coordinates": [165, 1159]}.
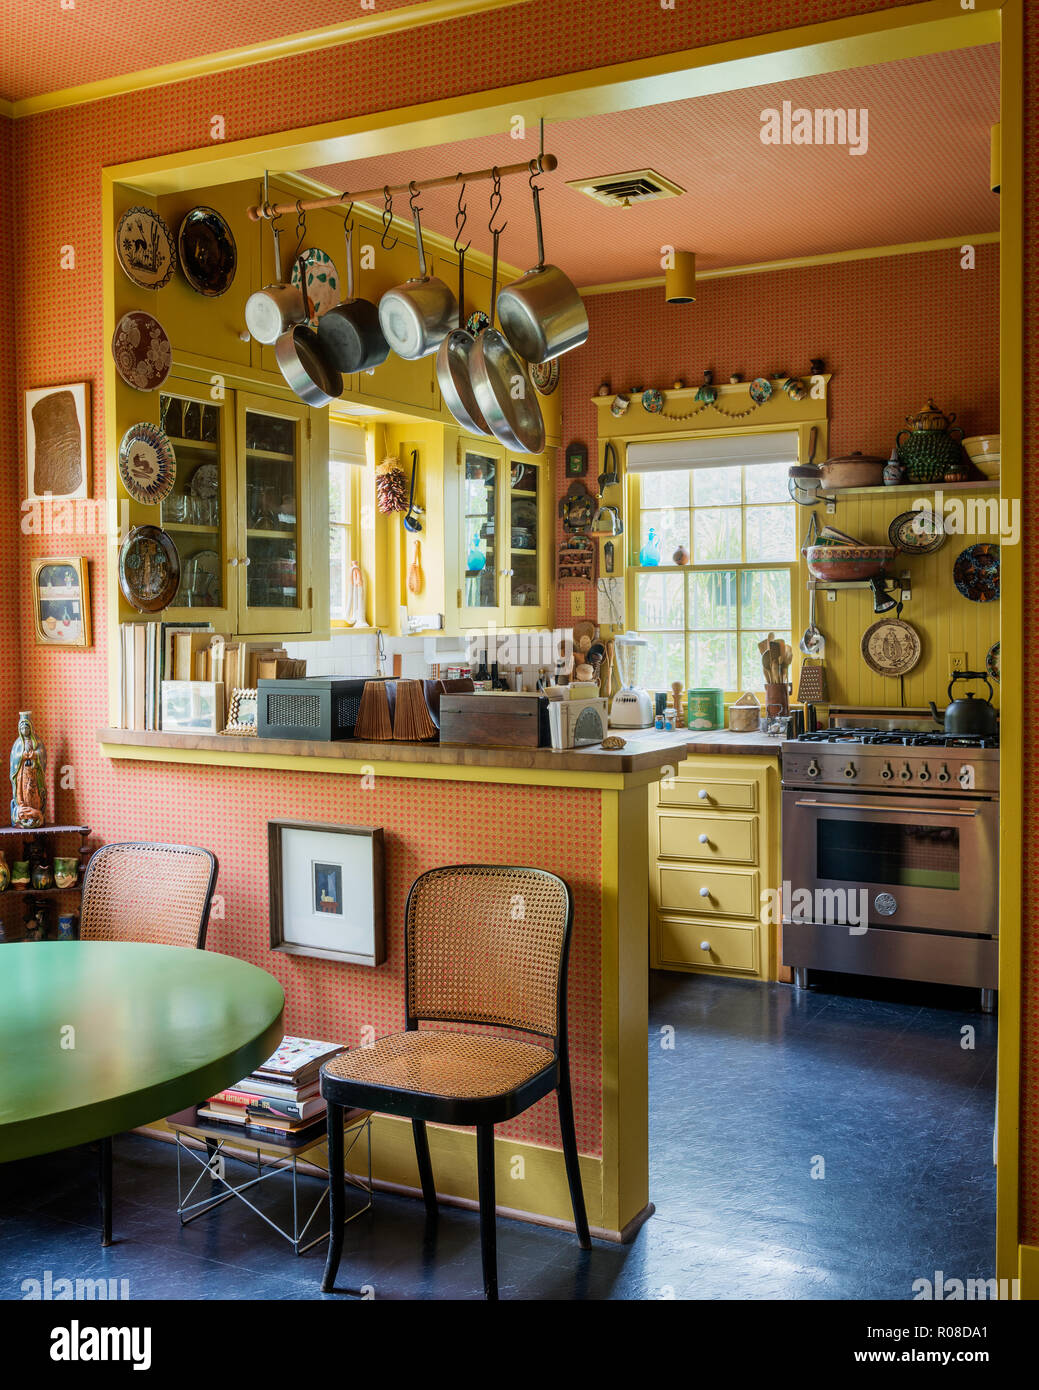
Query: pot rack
{"type": "Point", "coordinates": [541, 164]}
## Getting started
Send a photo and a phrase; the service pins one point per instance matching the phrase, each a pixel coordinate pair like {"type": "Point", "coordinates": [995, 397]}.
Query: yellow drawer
{"type": "Point", "coordinates": [708, 892]}
{"type": "Point", "coordinates": [728, 839]}
{"type": "Point", "coordinates": [712, 793]}
{"type": "Point", "coordinates": [708, 945]}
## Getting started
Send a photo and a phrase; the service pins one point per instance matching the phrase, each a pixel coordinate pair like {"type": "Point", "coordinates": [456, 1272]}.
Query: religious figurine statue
{"type": "Point", "coordinates": [28, 776]}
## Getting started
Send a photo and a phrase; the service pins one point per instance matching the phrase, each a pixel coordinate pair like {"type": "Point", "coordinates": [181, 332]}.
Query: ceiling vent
{"type": "Point", "coordinates": [627, 190]}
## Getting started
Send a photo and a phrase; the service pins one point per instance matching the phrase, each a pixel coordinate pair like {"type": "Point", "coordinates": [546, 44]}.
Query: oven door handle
{"type": "Point", "coordinates": [888, 810]}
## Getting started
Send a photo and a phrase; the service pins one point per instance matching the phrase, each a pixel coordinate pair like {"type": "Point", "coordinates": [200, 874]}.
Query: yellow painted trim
{"type": "Point", "coordinates": [1012, 683]}
{"type": "Point", "coordinates": [862, 253]}
{"type": "Point", "coordinates": [1028, 1268]}
{"type": "Point", "coordinates": [332, 36]}
{"type": "Point", "coordinates": [7, 108]}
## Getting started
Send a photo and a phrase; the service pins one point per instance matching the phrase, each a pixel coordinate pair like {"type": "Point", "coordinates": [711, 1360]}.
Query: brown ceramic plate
{"type": "Point", "coordinates": [149, 569]}
{"type": "Point", "coordinates": [891, 647]}
{"type": "Point", "coordinates": [208, 255]}
{"type": "Point", "coordinates": [145, 248]}
{"type": "Point", "coordinates": [142, 351]}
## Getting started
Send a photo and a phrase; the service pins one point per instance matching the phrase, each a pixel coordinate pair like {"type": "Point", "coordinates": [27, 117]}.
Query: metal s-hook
{"type": "Point", "coordinates": [387, 219]}
{"type": "Point", "coordinates": [496, 204]}
{"type": "Point", "coordinates": [349, 212]}
{"type": "Point", "coordinates": [461, 217]}
{"type": "Point", "coordinates": [414, 193]}
{"type": "Point", "coordinates": [301, 227]}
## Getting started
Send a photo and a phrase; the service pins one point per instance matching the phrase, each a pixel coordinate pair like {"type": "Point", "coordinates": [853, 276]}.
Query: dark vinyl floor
{"type": "Point", "coordinates": [753, 1090]}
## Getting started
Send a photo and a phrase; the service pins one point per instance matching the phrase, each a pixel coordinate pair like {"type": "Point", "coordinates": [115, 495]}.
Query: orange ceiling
{"type": "Point", "coordinates": [924, 175]}
{"type": "Point", "coordinates": [45, 48]}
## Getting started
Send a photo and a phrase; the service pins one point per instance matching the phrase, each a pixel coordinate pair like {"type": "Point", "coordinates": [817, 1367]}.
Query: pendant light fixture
{"type": "Point", "coordinates": [680, 279]}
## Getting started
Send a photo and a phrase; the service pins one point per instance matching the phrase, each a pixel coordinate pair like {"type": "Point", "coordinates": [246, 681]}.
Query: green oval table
{"type": "Point", "coordinates": [100, 1036]}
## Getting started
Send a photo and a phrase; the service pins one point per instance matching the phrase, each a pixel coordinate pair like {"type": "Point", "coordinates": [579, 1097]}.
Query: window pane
{"type": "Point", "coordinates": [671, 528]}
{"type": "Point", "coordinates": [662, 662]}
{"type": "Point", "coordinates": [667, 489]}
{"type": "Point", "coordinates": [712, 659]}
{"type": "Point", "coordinates": [765, 600]}
{"type": "Point", "coordinates": [714, 486]}
{"type": "Point", "coordinates": [660, 601]}
{"type": "Point", "coordinates": [713, 600]}
{"type": "Point", "coordinates": [766, 482]}
{"type": "Point", "coordinates": [337, 573]}
{"type": "Point", "coordinates": [770, 533]}
{"type": "Point", "coordinates": [716, 535]}
{"type": "Point", "coordinates": [338, 491]}
{"type": "Point", "coordinates": [752, 677]}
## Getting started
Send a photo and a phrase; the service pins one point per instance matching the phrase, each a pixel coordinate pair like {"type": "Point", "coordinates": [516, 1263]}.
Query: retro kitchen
{"type": "Point", "coordinates": [515, 591]}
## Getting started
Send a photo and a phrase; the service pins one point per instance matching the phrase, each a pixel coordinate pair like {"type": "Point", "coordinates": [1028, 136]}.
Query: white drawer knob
{"type": "Point", "coordinates": [705, 892]}
{"type": "Point", "coordinates": [233, 562]}
{"type": "Point", "coordinates": [704, 840]}
{"type": "Point", "coordinates": [702, 794]}
{"type": "Point", "coordinates": [705, 945]}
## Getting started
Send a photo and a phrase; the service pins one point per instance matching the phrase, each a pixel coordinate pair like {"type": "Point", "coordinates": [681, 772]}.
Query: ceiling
{"type": "Point", "coordinates": [924, 175]}
{"type": "Point", "coordinates": [45, 48]}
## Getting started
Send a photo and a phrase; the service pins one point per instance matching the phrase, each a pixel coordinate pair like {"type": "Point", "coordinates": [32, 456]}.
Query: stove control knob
{"type": "Point", "coordinates": [850, 771]}
{"type": "Point", "coordinates": [886, 904]}
{"type": "Point", "coordinates": [924, 773]}
{"type": "Point", "coordinates": [943, 774]}
{"type": "Point", "coordinates": [885, 773]}
{"type": "Point", "coordinates": [906, 772]}
{"type": "Point", "coordinates": [813, 769]}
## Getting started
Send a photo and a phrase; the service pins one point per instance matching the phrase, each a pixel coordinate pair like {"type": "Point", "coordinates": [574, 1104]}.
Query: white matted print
{"type": "Point", "coordinates": [327, 891]}
{"type": "Point", "coordinates": [57, 441]}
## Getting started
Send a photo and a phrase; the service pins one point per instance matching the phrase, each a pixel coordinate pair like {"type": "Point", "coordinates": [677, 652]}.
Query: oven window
{"type": "Point", "coordinates": [911, 856]}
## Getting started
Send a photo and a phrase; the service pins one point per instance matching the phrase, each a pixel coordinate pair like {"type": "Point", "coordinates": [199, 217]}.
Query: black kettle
{"type": "Point", "coordinates": [969, 716]}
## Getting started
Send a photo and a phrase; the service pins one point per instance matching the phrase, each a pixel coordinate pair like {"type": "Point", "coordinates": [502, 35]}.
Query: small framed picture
{"type": "Point", "coordinates": [57, 442]}
{"type": "Point", "coordinates": [326, 891]}
{"type": "Point", "coordinates": [241, 717]}
{"type": "Point", "coordinates": [61, 601]}
{"type": "Point", "coordinates": [193, 707]}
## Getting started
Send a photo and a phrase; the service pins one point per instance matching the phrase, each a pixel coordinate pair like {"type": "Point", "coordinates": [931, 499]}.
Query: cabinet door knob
{"type": "Point", "coordinates": [704, 840]}
{"type": "Point", "coordinates": [705, 892]}
{"type": "Point", "coordinates": [702, 794]}
{"type": "Point", "coordinates": [705, 945]}
{"type": "Point", "coordinates": [247, 561]}
{"type": "Point", "coordinates": [233, 561]}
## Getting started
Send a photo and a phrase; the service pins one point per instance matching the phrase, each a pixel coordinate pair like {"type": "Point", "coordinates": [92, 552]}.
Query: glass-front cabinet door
{"type": "Point", "coordinates": [195, 511]}
{"type": "Point", "coordinates": [527, 567]}
{"type": "Point", "coordinates": [485, 548]}
{"type": "Point", "coordinates": [269, 565]}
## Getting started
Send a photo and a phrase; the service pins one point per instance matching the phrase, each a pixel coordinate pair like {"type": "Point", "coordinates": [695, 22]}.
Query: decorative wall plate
{"type": "Point", "coordinates": [478, 321]}
{"type": "Point", "coordinates": [147, 463]}
{"type": "Point", "coordinates": [976, 572]}
{"type": "Point", "coordinates": [205, 481]}
{"type": "Point", "coordinates": [142, 351]}
{"type": "Point", "coordinates": [322, 282]}
{"type": "Point", "coordinates": [891, 647]}
{"type": "Point", "coordinates": [992, 661]}
{"type": "Point", "coordinates": [545, 375]}
{"type": "Point", "coordinates": [208, 255]}
{"type": "Point", "coordinates": [760, 390]}
{"type": "Point", "coordinates": [653, 402]}
{"type": "Point", "coordinates": [917, 533]}
{"type": "Point", "coordinates": [145, 248]}
{"type": "Point", "coordinates": [149, 569]}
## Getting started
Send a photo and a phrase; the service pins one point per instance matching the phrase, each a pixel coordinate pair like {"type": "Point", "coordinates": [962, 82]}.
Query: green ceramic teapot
{"type": "Point", "coordinates": [931, 446]}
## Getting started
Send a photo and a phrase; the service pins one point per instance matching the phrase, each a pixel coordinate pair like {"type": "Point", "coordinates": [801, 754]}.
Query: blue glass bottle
{"type": "Point", "coordinates": [476, 559]}
{"type": "Point", "coordinates": [650, 552]}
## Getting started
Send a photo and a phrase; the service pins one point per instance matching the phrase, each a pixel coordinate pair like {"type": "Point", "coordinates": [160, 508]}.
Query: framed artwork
{"type": "Point", "coordinates": [326, 891]}
{"type": "Point", "coordinates": [241, 717]}
{"type": "Point", "coordinates": [61, 601]}
{"type": "Point", "coordinates": [192, 707]}
{"type": "Point", "coordinates": [57, 441]}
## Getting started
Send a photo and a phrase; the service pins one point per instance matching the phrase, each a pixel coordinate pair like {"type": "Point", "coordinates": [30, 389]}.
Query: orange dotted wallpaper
{"type": "Point", "coordinates": [54, 184]}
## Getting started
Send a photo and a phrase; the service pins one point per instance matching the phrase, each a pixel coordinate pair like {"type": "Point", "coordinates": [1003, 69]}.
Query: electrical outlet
{"type": "Point", "coordinates": [957, 661]}
{"type": "Point", "coordinates": [577, 603]}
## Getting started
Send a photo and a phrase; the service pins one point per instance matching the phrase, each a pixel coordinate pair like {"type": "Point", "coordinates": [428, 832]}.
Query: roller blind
{"type": "Point", "coordinates": [665, 455]}
{"type": "Point", "coordinates": [346, 443]}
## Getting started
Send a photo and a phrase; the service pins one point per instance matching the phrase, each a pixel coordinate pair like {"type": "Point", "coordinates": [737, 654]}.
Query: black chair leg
{"type": "Point", "coordinates": [104, 1189]}
{"type": "Point", "coordinates": [573, 1165]}
{"type": "Point", "coordinates": [336, 1197]}
{"type": "Point", "coordinates": [488, 1231]}
{"type": "Point", "coordinates": [425, 1166]}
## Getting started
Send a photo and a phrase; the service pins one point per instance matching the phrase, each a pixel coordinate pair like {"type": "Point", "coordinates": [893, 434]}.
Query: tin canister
{"type": "Point", "coordinates": [706, 709]}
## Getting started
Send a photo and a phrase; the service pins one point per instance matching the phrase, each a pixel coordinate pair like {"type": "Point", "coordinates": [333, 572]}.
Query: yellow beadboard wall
{"type": "Point", "coordinates": [946, 621]}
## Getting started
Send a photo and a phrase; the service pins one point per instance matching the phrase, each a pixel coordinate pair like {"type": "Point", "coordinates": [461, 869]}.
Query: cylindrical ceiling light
{"type": "Point", "coordinates": [680, 280]}
{"type": "Point", "coordinates": [995, 160]}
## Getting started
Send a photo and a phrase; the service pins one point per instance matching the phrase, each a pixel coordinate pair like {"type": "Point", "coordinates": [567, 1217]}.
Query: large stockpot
{"type": "Point", "coordinates": [272, 311]}
{"type": "Point", "coordinates": [350, 335]}
{"type": "Point", "coordinates": [541, 313]}
{"type": "Point", "coordinates": [454, 368]}
{"type": "Point", "coordinates": [302, 360]}
{"type": "Point", "coordinates": [417, 316]}
{"type": "Point", "coordinates": [503, 387]}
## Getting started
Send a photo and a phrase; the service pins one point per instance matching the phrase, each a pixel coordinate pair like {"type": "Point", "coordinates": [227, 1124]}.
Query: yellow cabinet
{"type": "Point", "coordinates": [726, 949]}
{"type": "Point", "coordinates": [725, 839]}
{"type": "Point", "coordinates": [713, 892]}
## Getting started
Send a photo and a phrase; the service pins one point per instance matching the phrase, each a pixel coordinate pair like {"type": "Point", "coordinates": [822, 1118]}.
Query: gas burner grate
{"type": "Point", "coordinates": [905, 738]}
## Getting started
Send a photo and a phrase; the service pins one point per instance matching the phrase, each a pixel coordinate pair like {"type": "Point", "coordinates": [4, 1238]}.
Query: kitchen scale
{"type": "Point", "coordinates": [632, 707]}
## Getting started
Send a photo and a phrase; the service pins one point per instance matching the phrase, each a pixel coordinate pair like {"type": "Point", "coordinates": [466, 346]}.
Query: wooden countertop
{"type": "Point", "coordinates": [725, 741]}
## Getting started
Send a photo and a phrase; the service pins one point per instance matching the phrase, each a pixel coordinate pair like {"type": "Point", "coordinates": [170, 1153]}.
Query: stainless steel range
{"type": "Point", "coordinates": [890, 854]}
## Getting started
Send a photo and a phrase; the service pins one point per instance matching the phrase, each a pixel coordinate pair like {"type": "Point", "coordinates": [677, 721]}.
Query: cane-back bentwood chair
{"type": "Point", "coordinates": [483, 944]}
{"type": "Point", "coordinates": [142, 892]}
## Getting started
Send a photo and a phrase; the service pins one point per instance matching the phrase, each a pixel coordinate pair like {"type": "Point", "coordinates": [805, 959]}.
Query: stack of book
{"type": "Point", "coordinates": [281, 1097]}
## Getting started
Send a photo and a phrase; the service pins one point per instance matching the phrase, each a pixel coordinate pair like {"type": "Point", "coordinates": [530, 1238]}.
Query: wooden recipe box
{"type": "Point", "coordinates": [499, 719]}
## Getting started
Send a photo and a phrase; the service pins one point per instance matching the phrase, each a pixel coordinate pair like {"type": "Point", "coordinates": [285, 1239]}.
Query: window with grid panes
{"type": "Point", "coordinates": [346, 459]}
{"type": "Point", "coordinates": [704, 620]}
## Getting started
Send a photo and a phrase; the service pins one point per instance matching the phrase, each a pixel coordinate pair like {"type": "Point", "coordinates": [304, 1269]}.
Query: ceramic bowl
{"type": "Point", "coordinates": [834, 563]}
{"type": "Point", "coordinates": [981, 444]}
{"type": "Point", "coordinates": [987, 465]}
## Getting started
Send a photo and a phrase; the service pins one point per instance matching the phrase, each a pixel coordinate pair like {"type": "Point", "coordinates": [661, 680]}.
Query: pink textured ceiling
{"type": "Point", "coordinates": [924, 174]}
{"type": "Point", "coordinates": [44, 47]}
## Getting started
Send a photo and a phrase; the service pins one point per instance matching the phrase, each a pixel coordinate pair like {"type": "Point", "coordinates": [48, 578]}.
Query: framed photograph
{"type": "Point", "coordinates": [326, 891]}
{"type": "Point", "coordinates": [57, 442]}
{"type": "Point", "coordinates": [61, 601]}
{"type": "Point", "coordinates": [192, 707]}
{"type": "Point", "coordinates": [241, 717]}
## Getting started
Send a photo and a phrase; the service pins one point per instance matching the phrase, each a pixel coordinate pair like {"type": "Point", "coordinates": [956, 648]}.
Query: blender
{"type": "Point", "coordinates": [632, 707]}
